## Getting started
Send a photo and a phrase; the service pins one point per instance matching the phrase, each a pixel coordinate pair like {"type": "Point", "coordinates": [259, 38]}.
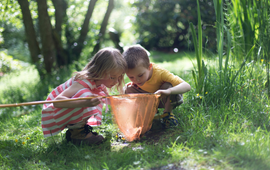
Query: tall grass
{"type": "Point", "coordinates": [242, 18]}
{"type": "Point", "coordinates": [220, 83]}
{"type": "Point", "coordinates": [249, 21]}
{"type": "Point", "coordinates": [198, 76]}
{"type": "Point", "coordinates": [264, 35]}
{"type": "Point", "coordinates": [249, 24]}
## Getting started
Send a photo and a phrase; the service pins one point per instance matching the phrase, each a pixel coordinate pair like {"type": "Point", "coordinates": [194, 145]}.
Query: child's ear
{"type": "Point", "coordinates": [150, 66]}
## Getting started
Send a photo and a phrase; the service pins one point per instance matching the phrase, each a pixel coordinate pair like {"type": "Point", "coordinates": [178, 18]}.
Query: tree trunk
{"type": "Point", "coordinates": [45, 27]}
{"type": "Point", "coordinates": [85, 28]}
{"type": "Point", "coordinates": [60, 7]}
{"type": "Point", "coordinates": [103, 26]}
{"type": "Point", "coordinates": [29, 31]}
{"type": "Point", "coordinates": [61, 54]}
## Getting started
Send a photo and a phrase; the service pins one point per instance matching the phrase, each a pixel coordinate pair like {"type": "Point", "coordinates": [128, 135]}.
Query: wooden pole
{"type": "Point", "coordinates": [50, 101]}
{"type": "Point", "coordinates": [67, 100]}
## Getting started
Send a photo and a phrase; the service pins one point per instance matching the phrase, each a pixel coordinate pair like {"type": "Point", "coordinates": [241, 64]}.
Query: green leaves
{"type": "Point", "coordinates": [8, 64]}
{"type": "Point", "coordinates": [198, 77]}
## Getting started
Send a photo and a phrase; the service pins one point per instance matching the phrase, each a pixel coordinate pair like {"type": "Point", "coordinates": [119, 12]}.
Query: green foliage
{"type": "Point", "coordinates": [263, 40]}
{"type": "Point", "coordinates": [12, 31]}
{"type": "Point", "coordinates": [10, 13]}
{"type": "Point", "coordinates": [226, 126]}
{"type": "Point", "coordinates": [67, 46]}
{"type": "Point", "coordinates": [164, 25]}
{"type": "Point", "coordinates": [13, 41]}
{"type": "Point", "coordinates": [248, 20]}
{"type": "Point", "coordinates": [220, 79]}
{"type": "Point", "coordinates": [26, 85]}
{"type": "Point", "coordinates": [8, 64]}
{"type": "Point", "coordinates": [199, 76]}
{"type": "Point", "coordinates": [226, 76]}
{"type": "Point", "coordinates": [233, 135]}
{"type": "Point", "coordinates": [1, 36]}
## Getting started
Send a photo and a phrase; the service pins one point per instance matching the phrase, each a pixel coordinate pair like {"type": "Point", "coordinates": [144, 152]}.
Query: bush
{"type": "Point", "coordinates": [8, 64]}
{"type": "Point", "coordinates": [164, 25]}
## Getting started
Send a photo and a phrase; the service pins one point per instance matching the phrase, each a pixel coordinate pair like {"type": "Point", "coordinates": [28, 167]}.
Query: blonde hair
{"type": "Point", "coordinates": [134, 54]}
{"type": "Point", "coordinates": [103, 62]}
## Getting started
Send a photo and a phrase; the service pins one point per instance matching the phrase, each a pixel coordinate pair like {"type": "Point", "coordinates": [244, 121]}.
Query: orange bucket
{"type": "Point", "coordinates": [134, 113]}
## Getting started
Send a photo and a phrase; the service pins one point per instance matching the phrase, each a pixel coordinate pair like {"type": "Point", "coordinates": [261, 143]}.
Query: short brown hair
{"type": "Point", "coordinates": [134, 54]}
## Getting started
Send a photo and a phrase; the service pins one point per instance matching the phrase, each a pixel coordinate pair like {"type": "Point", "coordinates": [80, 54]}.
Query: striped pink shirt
{"type": "Point", "coordinates": [54, 120]}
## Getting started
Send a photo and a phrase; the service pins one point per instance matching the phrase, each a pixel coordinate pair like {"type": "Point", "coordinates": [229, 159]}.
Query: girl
{"type": "Point", "coordinates": [106, 69]}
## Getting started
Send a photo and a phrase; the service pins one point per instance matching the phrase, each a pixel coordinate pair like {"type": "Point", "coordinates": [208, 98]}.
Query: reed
{"type": "Point", "coordinates": [243, 21]}
{"type": "Point", "coordinates": [225, 77]}
{"type": "Point", "coordinates": [264, 35]}
{"type": "Point", "coordinates": [200, 74]}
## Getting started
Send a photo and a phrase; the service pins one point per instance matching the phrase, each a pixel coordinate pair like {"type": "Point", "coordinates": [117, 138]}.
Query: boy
{"type": "Point", "coordinates": [148, 77]}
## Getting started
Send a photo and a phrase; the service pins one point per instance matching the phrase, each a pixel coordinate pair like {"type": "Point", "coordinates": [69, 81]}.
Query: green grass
{"type": "Point", "coordinates": [24, 76]}
{"type": "Point", "coordinates": [230, 135]}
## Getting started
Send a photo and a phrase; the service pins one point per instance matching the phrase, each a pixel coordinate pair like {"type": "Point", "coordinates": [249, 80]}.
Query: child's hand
{"type": "Point", "coordinates": [94, 101]}
{"type": "Point", "coordinates": [166, 92]}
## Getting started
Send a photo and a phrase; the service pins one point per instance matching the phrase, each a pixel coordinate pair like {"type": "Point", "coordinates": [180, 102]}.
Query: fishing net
{"type": "Point", "coordinates": [134, 113]}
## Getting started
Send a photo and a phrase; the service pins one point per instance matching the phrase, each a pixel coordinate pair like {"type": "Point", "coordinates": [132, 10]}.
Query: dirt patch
{"type": "Point", "coordinates": [155, 133]}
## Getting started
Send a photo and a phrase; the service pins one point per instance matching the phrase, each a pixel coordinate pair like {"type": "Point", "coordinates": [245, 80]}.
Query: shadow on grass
{"type": "Point", "coordinates": [153, 151]}
{"type": "Point", "coordinates": [233, 155]}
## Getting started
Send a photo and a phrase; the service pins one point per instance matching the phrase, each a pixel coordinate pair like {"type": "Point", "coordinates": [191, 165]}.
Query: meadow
{"type": "Point", "coordinates": [217, 130]}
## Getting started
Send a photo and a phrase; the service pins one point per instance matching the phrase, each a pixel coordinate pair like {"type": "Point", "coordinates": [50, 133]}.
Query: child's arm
{"type": "Point", "coordinates": [71, 91]}
{"type": "Point", "coordinates": [178, 89]}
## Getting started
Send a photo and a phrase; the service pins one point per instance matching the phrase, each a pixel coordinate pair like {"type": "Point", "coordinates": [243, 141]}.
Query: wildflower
{"type": "Point", "coordinates": [27, 138]}
{"type": "Point", "coordinates": [200, 97]}
{"type": "Point", "coordinates": [16, 140]}
{"type": "Point", "coordinates": [123, 138]}
{"type": "Point", "coordinates": [261, 60]}
{"type": "Point", "coordinates": [206, 92]}
{"type": "Point", "coordinates": [198, 94]}
{"type": "Point", "coordinates": [23, 143]}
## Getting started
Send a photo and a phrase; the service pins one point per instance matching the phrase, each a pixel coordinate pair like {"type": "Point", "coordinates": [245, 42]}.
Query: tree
{"type": "Point", "coordinates": [51, 48]}
{"type": "Point", "coordinates": [164, 25]}
{"type": "Point", "coordinates": [103, 26]}
{"type": "Point", "coordinates": [30, 31]}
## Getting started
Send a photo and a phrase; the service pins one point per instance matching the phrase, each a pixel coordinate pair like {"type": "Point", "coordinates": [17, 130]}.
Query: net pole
{"type": "Point", "coordinates": [50, 101]}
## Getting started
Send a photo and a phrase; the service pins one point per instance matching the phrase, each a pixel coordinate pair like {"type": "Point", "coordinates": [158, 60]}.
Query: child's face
{"type": "Point", "coordinates": [140, 74]}
{"type": "Point", "coordinates": [112, 79]}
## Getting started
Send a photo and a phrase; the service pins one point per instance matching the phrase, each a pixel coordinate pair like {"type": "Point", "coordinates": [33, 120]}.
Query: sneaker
{"type": "Point", "coordinates": [169, 120]}
{"type": "Point", "coordinates": [83, 135]}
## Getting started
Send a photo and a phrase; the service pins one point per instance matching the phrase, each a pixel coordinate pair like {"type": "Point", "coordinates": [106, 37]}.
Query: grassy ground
{"type": "Point", "coordinates": [228, 135]}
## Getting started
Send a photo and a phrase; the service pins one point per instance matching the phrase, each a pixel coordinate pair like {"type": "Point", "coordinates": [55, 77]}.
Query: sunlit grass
{"type": "Point", "coordinates": [178, 65]}
{"type": "Point", "coordinates": [231, 135]}
{"type": "Point", "coordinates": [25, 75]}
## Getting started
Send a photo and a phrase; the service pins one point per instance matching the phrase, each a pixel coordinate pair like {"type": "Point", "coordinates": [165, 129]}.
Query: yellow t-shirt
{"type": "Point", "coordinates": [160, 76]}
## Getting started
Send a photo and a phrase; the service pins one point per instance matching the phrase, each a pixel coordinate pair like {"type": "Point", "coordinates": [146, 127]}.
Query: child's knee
{"type": "Point", "coordinates": [166, 85]}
